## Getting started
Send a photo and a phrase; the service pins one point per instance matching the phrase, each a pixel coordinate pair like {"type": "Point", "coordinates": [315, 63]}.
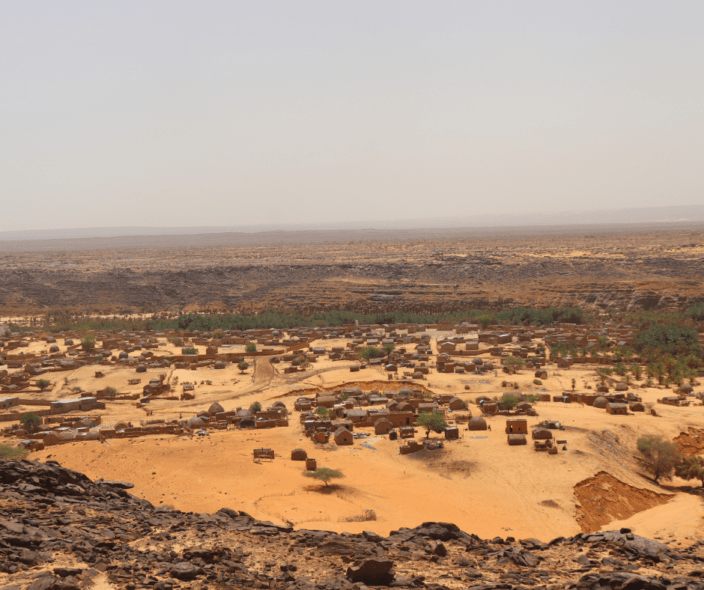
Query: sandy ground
{"type": "Point", "coordinates": [478, 482]}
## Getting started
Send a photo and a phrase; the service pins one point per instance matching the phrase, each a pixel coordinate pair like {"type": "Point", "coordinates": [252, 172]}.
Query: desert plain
{"type": "Point", "coordinates": [596, 481]}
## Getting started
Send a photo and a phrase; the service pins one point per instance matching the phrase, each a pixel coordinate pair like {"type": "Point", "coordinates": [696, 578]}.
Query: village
{"type": "Point", "coordinates": [455, 396]}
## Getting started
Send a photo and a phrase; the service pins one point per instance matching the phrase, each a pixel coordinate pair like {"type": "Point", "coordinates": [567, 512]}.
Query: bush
{"type": "Point", "coordinates": [431, 421]}
{"type": "Point", "coordinates": [251, 347]}
{"type": "Point", "coordinates": [660, 456]}
{"type": "Point", "coordinates": [696, 312]}
{"type": "Point", "coordinates": [513, 363]}
{"type": "Point", "coordinates": [8, 452]}
{"type": "Point", "coordinates": [670, 339]}
{"type": "Point", "coordinates": [388, 348]}
{"type": "Point", "coordinates": [691, 468]}
{"type": "Point", "coordinates": [88, 342]}
{"type": "Point", "coordinates": [42, 383]}
{"type": "Point", "coordinates": [369, 352]}
{"type": "Point", "coordinates": [178, 342]}
{"type": "Point", "coordinates": [111, 391]}
{"type": "Point", "coordinates": [537, 382]}
{"type": "Point", "coordinates": [243, 366]}
{"type": "Point", "coordinates": [255, 407]}
{"type": "Point", "coordinates": [322, 411]}
{"type": "Point", "coordinates": [485, 320]}
{"type": "Point", "coordinates": [324, 474]}
{"type": "Point", "coordinates": [508, 401]}
{"type": "Point", "coordinates": [30, 421]}
{"type": "Point", "coordinates": [190, 350]}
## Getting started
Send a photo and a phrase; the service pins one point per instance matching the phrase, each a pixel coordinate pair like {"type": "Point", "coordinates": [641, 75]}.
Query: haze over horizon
{"type": "Point", "coordinates": [182, 115]}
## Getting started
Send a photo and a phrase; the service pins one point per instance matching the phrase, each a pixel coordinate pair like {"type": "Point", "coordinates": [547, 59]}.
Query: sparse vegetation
{"type": "Point", "coordinates": [691, 468]}
{"type": "Point", "coordinates": [9, 452]}
{"type": "Point", "coordinates": [660, 456]}
{"type": "Point", "coordinates": [324, 474]}
{"type": "Point", "coordinates": [696, 312]}
{"type": "Point", "coordinates": [190, 350]}
{"type": "Point", "coordinates": [369, 352]}
{"type": "Point", "coordinates": [88, 342]}
{"type": "Point", "coordinates": [508, 402]}
{"type": "Point", "coordinates": [514, 363]}
{"type": "Point", "coordinates": [431, 421]}
{"type": "Point", "coordinates": [30, 421]}
{"type": "Point", "coordinates": [42, 384]}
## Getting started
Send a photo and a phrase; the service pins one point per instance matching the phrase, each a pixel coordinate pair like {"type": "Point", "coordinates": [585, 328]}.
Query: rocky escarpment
{"type": "Point", "coordinates": [60, 530]}
{"type": "Point", "coordinates": [617, 269]}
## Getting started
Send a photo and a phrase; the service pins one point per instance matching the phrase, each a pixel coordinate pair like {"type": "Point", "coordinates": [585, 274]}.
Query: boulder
{"type": "Point", "coordinates": [185, 571]}
{"type": "Point", "coordinates": [372, 572]}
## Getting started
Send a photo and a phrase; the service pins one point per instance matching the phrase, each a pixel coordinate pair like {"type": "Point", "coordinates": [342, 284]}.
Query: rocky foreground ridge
{"type": "Point", "coordinates": [60, 530]}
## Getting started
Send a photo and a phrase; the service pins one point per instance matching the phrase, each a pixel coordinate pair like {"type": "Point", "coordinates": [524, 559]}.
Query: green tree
{"type": "Point", "coordinates": [620, 369]}
{"type": "Point", "coordinates": [574, 383]}
{"type": "Point", "coordinates": [691, 468]}
{"type": "Point", "coordinates": [88, 342]}
{"type": "Point", "coordinates": [30, 421]}
{"type": "Point", "coordinates": [388, 347]}
{"type": "Point", "coordinates": [696, 312]}
{"type": "Point", "coordinates": [324, 474]}
{"type": "Point", "coordinates": [369, 352]}
{"type": "Point", "coordinates": [514, 363]}
{"type": "Point", "coordinates": [322, 411]}
{"type": "Point", "coordinates": [671, 339]}
{"type": "Point", "coordinates": [660, 456]}
{"type": "Point", "coordinates": [42, 384]}
{"type": "Point", "coordinates": [255, 407]}
{"type": "Point", "coordinates": [431, 421]}
{"type": "Point", "coordinates": [636, 371]}
{"type": "Point", "coordinates": [485, 320]}
{"type": "Point", "coordinates": [251, 347]}
{"type": "Point", "coordinates": [509, 401]}
{"type": "Point", "coordinates": [243, 366]}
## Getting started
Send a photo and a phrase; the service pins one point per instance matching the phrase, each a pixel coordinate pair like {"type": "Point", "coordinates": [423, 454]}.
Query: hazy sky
{"type": "Point", "coordinates": [164, 113]}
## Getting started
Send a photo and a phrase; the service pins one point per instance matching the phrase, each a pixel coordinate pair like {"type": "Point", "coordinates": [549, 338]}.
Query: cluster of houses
{"type": "Point", "coordinates": [463, 348]}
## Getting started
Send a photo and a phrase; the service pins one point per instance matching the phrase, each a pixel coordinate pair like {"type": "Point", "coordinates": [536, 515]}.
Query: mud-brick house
{"type": "Point", "coordinates": [76, 404]}
{"type": "Point", "coordinates": [517, 439]}
{"type": "Point", "coordinates": [517, 426]}
{"type": "Point", "coordinates": [383, 426]}
{"type": "Point", "coordinates": [326, 401]}
{"type": "Point", "coordinates": [357, 415]}
{"type": "Point", "coordinates": [8, 402]}
{"type": "Point", "coordinates": [399, 419]}
{"type": "Point", "coordinates": [615, 408]}
{"type": "Point", "coordinates": [447, 347]}
{"type": "Point", "coordinates": [456, 404]}
{"type": "Point", "coordinates": [452, 433]}
{"type": "Point", "coordinates": [343, 436]}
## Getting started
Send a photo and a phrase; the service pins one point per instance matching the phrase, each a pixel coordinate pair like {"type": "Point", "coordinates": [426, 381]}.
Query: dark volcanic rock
{"type": "Point", "coordinates": [51, 516]}
{"type": "Point", "coordinates": [373, 572]}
